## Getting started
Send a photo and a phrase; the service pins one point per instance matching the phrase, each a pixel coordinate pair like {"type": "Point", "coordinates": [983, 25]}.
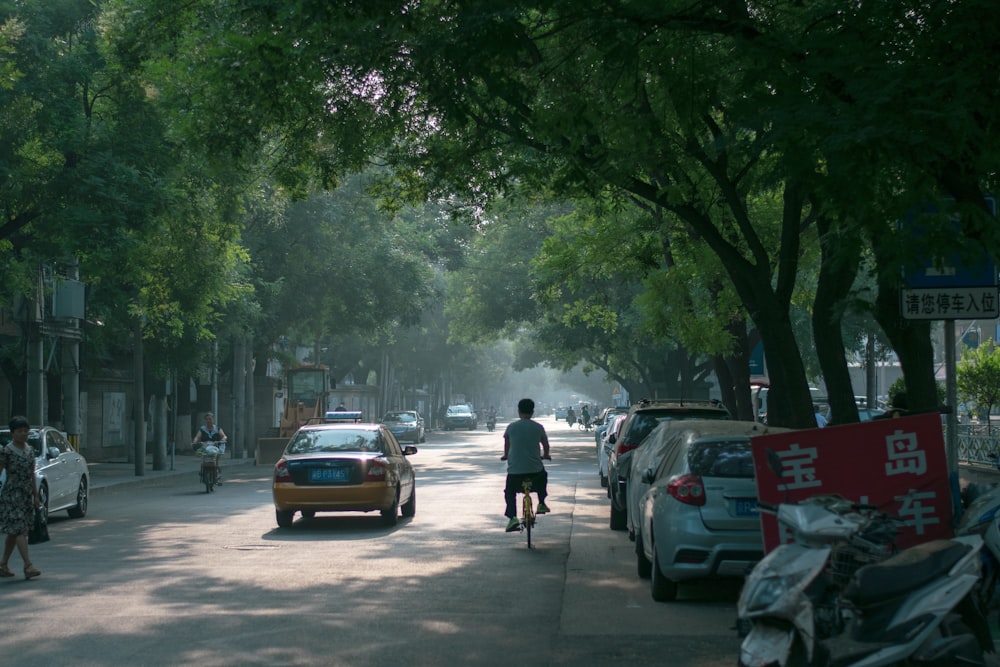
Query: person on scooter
{"type": "Point", "coordinates": [491, 418]}
{"type": "Point", "coordinates": [210, 433]}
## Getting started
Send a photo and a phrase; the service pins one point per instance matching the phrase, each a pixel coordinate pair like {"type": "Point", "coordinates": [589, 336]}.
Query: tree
{"type": "Point", "coordinates": [978, 377]}
{"type": "Point", "coordinates": [699, 109]}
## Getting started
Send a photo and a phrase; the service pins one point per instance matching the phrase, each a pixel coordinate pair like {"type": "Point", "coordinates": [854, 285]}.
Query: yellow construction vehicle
{"type": "Point", "coordinates": [306, 395]}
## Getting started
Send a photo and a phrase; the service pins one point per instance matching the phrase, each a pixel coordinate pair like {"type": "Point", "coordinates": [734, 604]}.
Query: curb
{"type": "Point", "coordinates": [122, 476]}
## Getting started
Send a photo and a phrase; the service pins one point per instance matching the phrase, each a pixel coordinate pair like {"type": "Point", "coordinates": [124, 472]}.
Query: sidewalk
{"type": "Point", "coordinates": [120, 473]}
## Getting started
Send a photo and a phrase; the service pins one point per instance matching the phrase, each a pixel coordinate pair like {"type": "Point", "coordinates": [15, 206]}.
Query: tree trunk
{"type": "Point", "coordinates": [138, 401]}
{"type": "Point", "coordinates": [911, 340]}
{"type": "Point", "coordinates": [238, 436]}
{"type": "Point", "coordinates": [840, 258]}
{"type": "Point", "coordinates": [789, 401]}
{"type": "Point", "coordinates": [734, 375]}
{"type": "Point", "coordinates": [159, 433]}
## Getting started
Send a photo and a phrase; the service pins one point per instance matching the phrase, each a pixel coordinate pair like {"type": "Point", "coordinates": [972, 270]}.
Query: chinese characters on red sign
{"type": "Point", "coordinates": [899, 465]}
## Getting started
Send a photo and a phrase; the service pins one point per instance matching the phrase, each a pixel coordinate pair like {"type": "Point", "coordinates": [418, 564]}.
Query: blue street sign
{"type": "Point", "coordinates": [955, 272]}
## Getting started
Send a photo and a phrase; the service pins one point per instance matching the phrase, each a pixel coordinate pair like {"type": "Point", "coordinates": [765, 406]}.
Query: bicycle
{"type": "Point", "coordinates": [585, 425]}
{"type": "Point", "coordinates": [527, 510]}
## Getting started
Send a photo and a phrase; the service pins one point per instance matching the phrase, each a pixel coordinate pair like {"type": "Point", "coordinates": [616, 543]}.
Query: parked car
{"type": "Point", "coordinates": [642, 418]}
{"type": "Point", "coordinates": [460, 416]}
{"type": "Point", "coordinates": [406, 425]}
{"type": "Point", "coordinates": [659, 444]}
{"type": "Point", "coordinates": [867, 414]}
{"type": "Point", "coordinates": [344, 467]}
{"type": "Point", "coordinates": [61, 472]}
{"type": "Point", "coordinates": [604, 451]}
{"type": "Point", "coordinates": [699, 517]}
{"type": "Point", "coordinates": [603, 421]}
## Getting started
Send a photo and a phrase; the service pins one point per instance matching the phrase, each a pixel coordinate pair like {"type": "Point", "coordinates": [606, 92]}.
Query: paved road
{"type": "Point", "coordinates": [160, 573]}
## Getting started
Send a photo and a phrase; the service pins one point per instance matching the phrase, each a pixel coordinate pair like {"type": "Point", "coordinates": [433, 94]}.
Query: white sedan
{"type": "Point", "coordinates": [60, 471]}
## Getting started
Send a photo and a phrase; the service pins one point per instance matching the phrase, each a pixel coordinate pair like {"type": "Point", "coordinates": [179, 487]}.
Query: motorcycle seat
{"type": "Point", "coordinates": [904, 572]}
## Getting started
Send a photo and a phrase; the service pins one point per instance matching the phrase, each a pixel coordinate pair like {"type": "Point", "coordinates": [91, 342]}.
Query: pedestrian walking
{"type": "Point", "coordinates": [19, 499]}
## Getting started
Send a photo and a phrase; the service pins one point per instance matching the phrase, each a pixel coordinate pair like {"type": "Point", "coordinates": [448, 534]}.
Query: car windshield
{"type": "Point", "coordinates": [400, 417]}
{"type": "Point", "coordinates": [459, 411]}
{"type": "Point", "coordinates": [721, 459]}
{"type": "Point", "coordinates": [334, 440]}
{"type": "Point", "coordinates": [34, 439]}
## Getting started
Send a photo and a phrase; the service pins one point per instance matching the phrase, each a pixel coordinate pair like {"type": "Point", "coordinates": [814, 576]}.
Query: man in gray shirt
{"type": "Point", "coordinates": [521, 442]}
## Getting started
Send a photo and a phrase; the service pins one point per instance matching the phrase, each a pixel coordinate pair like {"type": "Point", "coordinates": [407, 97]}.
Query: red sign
{"type": "Point", "coordinates": [898, 465]}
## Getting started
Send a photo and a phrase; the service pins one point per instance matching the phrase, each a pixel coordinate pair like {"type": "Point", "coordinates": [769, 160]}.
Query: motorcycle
{"type": "Point", "coordinates": [809, 602]}
{"type": "Point", "coordinates": [840, 595]}
{"type": "Point", "coordinates": [209, 472]}
{"type": "Point", "coordinates": [982, 517]}
{"type": "Point", "coordinates": [491, 423]}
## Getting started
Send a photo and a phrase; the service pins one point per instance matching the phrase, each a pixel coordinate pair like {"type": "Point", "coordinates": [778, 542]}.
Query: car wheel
{"type": "Point", "coordinates": [618, 518]}
{"type": "Point", "coordinates": [308, 514]}
{"type": "Point", "coordinates": [604, 481]}
{"type": "Point", "coordinates": [662, 589]}
{"type": "Point", "coordinates": [409, 508]}
{"type": "Point", "coordinates": [423, 438]}
{"type": "Point", "coordinates": [43, 498]}
{"type": "Point", "coordinates": [79, 510]}
{"type": "Point", "coordinates": [643, 567]}
{"type": "Point", "coordinates": [284, 518]}
{"type": "Point", "coordinates": [390, 515]}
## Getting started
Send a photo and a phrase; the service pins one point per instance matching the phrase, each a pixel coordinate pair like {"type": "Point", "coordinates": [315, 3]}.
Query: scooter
{"type": "Point", "coordinates": [982, 517]}
{"type": "Point", "coordinates": [491, 423]}
{"type": "Point", "coordinates": [209, 472]}
{"type": "Point", "coordinates": [838, 595]}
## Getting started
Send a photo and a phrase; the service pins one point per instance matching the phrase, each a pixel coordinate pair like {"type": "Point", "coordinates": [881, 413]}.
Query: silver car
{"type": "Point", "coordinates": [698, 518]}
{"type": "Point", "coordinates": [604, 448]}
{"type": "Point", "coordinates": [61, 472]}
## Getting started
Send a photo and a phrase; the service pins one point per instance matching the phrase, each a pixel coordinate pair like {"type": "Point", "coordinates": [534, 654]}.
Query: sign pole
{"type": "Point", "coordinates": [951, 396]}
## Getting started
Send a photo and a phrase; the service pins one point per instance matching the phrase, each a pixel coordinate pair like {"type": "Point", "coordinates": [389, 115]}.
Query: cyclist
{"type": "Point", "coordinates": [585, 416]}
{"type": "Point", "coordinates": [521, 442]}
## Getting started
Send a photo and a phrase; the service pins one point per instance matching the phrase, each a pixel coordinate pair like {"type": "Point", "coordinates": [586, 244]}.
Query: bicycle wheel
{"type": "Point", "coordinates": [529, 517]}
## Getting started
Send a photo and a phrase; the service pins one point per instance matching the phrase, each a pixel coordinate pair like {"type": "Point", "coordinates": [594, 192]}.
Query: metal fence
{"type": "Point", "coordinates": [977, 443]}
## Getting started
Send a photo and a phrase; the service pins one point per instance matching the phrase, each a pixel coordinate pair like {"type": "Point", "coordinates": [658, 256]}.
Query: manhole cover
{"type": "Point", "coordinates": [251, 547]}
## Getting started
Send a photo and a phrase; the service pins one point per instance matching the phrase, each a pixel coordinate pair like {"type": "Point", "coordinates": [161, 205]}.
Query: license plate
{"type": "Point", "coordinates": [746, 506]}
{"type": "Point", "coordinates": [329, 474]}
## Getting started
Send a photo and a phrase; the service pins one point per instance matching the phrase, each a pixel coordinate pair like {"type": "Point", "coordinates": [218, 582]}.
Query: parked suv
{"type": "Point", "coordinates": [642, 418]}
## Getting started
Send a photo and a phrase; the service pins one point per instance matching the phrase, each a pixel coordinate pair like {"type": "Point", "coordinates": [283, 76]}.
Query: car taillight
{"type": "Point", "coordinates": [377, 471]}
{"type": "Point", "coordinates": [688, 489]}
{"type": "Point", "coordinates": [625, 446]}
{"type": "Point", "coordinates": [281, 473]}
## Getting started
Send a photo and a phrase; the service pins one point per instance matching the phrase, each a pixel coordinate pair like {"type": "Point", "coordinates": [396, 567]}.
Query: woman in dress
{"type": "Point", "coordinates": [19, 498]}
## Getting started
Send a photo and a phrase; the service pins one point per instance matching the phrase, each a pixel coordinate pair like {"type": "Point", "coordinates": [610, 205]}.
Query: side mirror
{"type": "Point", "coordinates": [612, 439]}
{"type": "Point", "coordinates": [775, 463]}
{"type": "Point", "coordinates": [409, 449]}
{"type": "Point", "coordinates": [648, 476]}
{"type": "Point", "coordinates": [53, 452]}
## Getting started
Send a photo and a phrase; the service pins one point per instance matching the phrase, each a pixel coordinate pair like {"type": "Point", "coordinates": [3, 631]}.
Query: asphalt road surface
{"type": "Point", "coordinates": [164, 574]}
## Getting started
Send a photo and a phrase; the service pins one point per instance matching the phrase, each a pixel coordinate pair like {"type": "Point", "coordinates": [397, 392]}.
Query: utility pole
{"type": "Point", "coordinates": [68, 306]}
